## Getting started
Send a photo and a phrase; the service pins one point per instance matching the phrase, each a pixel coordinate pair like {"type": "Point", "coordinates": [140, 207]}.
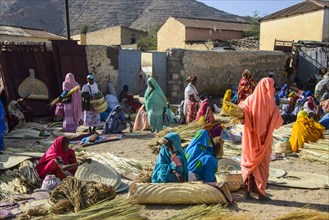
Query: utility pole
{"type": "Point", "coordinates": [67, 19]}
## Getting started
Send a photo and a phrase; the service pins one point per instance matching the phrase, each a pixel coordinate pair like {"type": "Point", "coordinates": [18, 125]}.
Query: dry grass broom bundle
{"type": "Point", "coordinates": [235, 111]}
{"type": "Point", "coordinates": [305, 215]}
{"type": "Point", "coordinates": [119, 209]}
{"type": "Point", "coordinates": [318, 151]}
{"type": "Point", "coordinates": [70, 93]}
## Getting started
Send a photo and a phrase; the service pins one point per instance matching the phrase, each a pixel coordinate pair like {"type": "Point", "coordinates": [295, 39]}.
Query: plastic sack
{"type": "Point", "coordinates": [50, 182]}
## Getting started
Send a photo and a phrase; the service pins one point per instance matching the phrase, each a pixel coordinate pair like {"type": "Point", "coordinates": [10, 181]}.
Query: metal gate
{"type": "Point", "coordinates": [129, 68]}
{"type": "Point", "coordinates": [15, 62]}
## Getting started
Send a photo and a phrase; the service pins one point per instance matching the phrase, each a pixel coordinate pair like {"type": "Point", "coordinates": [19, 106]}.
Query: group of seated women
{"type": "Point", "coordinates": [197, 162]}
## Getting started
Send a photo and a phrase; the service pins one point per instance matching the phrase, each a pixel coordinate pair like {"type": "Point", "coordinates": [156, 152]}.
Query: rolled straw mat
{"type": "Point", "coordinates": [8, 161]}
{"type": "Point", "coordinates": [304, 180]}
{"type": "Point", "coordinates": [99, 172]}
{"type": "Point", "coordinates": [32, 88]}
{"type": "Point", "coordinates": [176, 193]}
{"type": "Point", "coordinates": [23, 134]}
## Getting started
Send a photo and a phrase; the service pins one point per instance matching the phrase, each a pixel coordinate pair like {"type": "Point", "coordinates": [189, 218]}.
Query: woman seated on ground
{"type": "Point", "coordinates": [15, 116]}
{"type": "Point", "coordinates": [324, 121]}
{"type": "Point", "coordinates": [116, 122]}
{"type": "Point", "coordinates": [227, 98]}
{"type": "Point", "coordinates": [205, 110]}
{"type": "Point", "coordinates": [27, 110]}
{"type": "Point", "coordinates": [304, 130]}
{"type": "Point", "coordinates": [201, 156]}
{"type": "Point", "coordinates": [141, 121]}
{"type": "Point", "coordinates": [171, 165]}
{"type": "Point", "coordinates": [59, 160]}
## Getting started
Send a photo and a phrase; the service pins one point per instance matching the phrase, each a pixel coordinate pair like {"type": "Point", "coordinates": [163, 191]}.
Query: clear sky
{"type": "Point", "coordinates": [246, 7]}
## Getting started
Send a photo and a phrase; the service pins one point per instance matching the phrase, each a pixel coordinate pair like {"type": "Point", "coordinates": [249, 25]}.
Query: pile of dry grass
{"type": "Point", "coordinates": [75, 195]}
{"type": "Point", "coordinates": [37, 211]}
{"type": "Point", "coordinates": [305, 215]}
{"type": "Point", "coordinates": [318, 151]}
{"type": "Point", "coordinates": [119, 209]}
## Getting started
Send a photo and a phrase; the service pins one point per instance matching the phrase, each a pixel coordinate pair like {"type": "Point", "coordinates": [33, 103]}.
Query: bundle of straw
{"type": "Point", "coordinates": [119, 208]}
{"type": "Point", "coordinates": [305, 215]}
{"type": "Point", "coordinates": [235, 111]}
{"type": "Point", "coordinates": [71, 92]}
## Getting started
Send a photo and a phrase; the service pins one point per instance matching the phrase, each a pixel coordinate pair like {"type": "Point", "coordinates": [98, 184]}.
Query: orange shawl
{"type": "Point", "coordinates": [261, 117]}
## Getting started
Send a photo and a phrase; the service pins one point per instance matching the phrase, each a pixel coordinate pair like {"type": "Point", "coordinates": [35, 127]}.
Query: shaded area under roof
{"type": "Point", "coordinates": [208, 24]}
{"type": "Point", "coordinates": [306, 6]}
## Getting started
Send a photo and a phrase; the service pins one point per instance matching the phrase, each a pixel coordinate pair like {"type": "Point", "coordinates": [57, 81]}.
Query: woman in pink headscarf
{"type": "Point", "coordinates": [72, 105]}
{"type": "Point", "coordinates": [59, 160]}
{"type": "Point", "coordinates": [261, 117]}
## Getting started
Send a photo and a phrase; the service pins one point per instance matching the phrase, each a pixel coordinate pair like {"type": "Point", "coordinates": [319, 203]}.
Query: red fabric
{"type": "Point", "coordinates": [46, 163]}
{"type": "Point", "coordinates": [246, 86]}
{"type": "Point", "coordinates": [261, 117]}
{"type": "Point", "coordinates": [191, 110]}
{"type": "Point", "coordinates": [203, 110]}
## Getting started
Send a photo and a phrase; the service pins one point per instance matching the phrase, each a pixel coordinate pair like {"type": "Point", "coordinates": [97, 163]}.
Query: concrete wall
{"type": "Point", "coordinates": [306, 26]}
{"type": "Point", "coordinates": [103, 63]}
{"type": "Point", "coordinates": [108, 36]}
{"type": "Point", "coordinates": [218, 71]}
{"type": "Point", "coordinates": [171, 35]}
{"type": "Point", "coordinates": [194, 34]}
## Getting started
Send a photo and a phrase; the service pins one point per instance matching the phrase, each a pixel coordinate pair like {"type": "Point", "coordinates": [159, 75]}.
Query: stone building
{"type": "Point", "coordinates": [306, 21]}
{"type": "Point", "coordinates": [198, 34]}
{"type": "Point", "coordinates": [24, 34]}
{"type": "Point", "coordinates": [117, 35]}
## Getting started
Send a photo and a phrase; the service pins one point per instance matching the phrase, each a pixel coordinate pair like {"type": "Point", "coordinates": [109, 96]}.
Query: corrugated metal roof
{"type": "Point", "coordinates": [207, 24]}
{"type": "Point", "coordinates": [27, 32]}
{"type": "Point", "coordinates": [306, 6]}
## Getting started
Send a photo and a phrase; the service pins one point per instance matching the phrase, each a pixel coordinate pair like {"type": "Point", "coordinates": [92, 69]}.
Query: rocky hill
{"type": "Point", "coordinates": [98, 14]}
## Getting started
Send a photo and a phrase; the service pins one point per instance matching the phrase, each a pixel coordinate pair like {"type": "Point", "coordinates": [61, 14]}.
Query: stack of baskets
{"type": "Point", "coordinates": [99, 103]}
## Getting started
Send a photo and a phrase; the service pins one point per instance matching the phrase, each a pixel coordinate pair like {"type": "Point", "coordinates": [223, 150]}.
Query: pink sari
{"type": "Point", "coordinates": [261, 117]}
{"type": "Point", "coordinates": [73, 110]}
{"type": "Point", "coordinates": [47, 164]}
{"type": "Point", "coordinates": [203, 110]}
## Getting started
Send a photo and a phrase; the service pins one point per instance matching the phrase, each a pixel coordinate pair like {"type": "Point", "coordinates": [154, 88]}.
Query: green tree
{"type": "Point", "coordinates": [149, 42]}
{"type": "Point", "coordinates": [254, 28]}
{"type": "Point", "coordinates": [84, 29]}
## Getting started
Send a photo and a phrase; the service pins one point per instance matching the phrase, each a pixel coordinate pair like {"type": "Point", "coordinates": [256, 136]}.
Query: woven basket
{"type": "Point", "coordinates": [282, 147]}
{"type": "Point", "coordinates": [99, 105]}
{"type": "Point", "coordinates": [32, 88]}
{"type": "Point", "coordinates": [232, 178]}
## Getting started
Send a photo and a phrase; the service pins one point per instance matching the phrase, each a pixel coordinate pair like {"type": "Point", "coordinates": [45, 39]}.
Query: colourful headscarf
{"type": "Point", "coordinates": [304, 130]}
{"type": "Point", "coordinates": [76, 103]}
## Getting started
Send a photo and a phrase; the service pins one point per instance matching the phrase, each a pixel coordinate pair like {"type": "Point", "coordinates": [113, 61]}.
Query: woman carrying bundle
{"type": "Point", "coordinates": [201, 156]}
{"type": "Point", "coordinates": [171, 165]}
{"type": "Point", "coordinates": [59, 160]}
{"type": "Point", "coordinates": [305, 130]}
{"type": "Point", "coordinates": [155, 104]}
{"type": "Point", "coordinates": [261, 117]}
{"type": "Point", "coordinates": [247, 86]}
{"type": "Point", "coordinates": [91, 118]}
{"type": "Point", "coordinates": [72, 104]}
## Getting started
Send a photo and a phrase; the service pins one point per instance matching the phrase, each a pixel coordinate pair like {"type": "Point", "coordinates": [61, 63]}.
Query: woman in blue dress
{"type": "Point", "coordinates": [171, 165]}
{"type": "Point", "coordinates": [201, 158]}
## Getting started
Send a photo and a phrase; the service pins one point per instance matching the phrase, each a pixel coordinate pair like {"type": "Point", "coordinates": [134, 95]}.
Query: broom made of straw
{"type": "Point", "coordinates": [71, 92]}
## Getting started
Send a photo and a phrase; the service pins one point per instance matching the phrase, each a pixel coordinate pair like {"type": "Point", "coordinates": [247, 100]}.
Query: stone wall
{"type": "Point", "coordinates": [103, 63]}
{"type": "Point", "coordinates": [218, 71]}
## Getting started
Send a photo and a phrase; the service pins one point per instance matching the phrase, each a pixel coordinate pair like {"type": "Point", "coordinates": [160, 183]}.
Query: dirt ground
{"type": "Point", "coordinates": [284, 200]}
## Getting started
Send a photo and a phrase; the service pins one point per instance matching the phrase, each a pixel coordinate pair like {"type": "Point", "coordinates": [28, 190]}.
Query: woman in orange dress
{"type": "Point", "coordinates": [261, 117]}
